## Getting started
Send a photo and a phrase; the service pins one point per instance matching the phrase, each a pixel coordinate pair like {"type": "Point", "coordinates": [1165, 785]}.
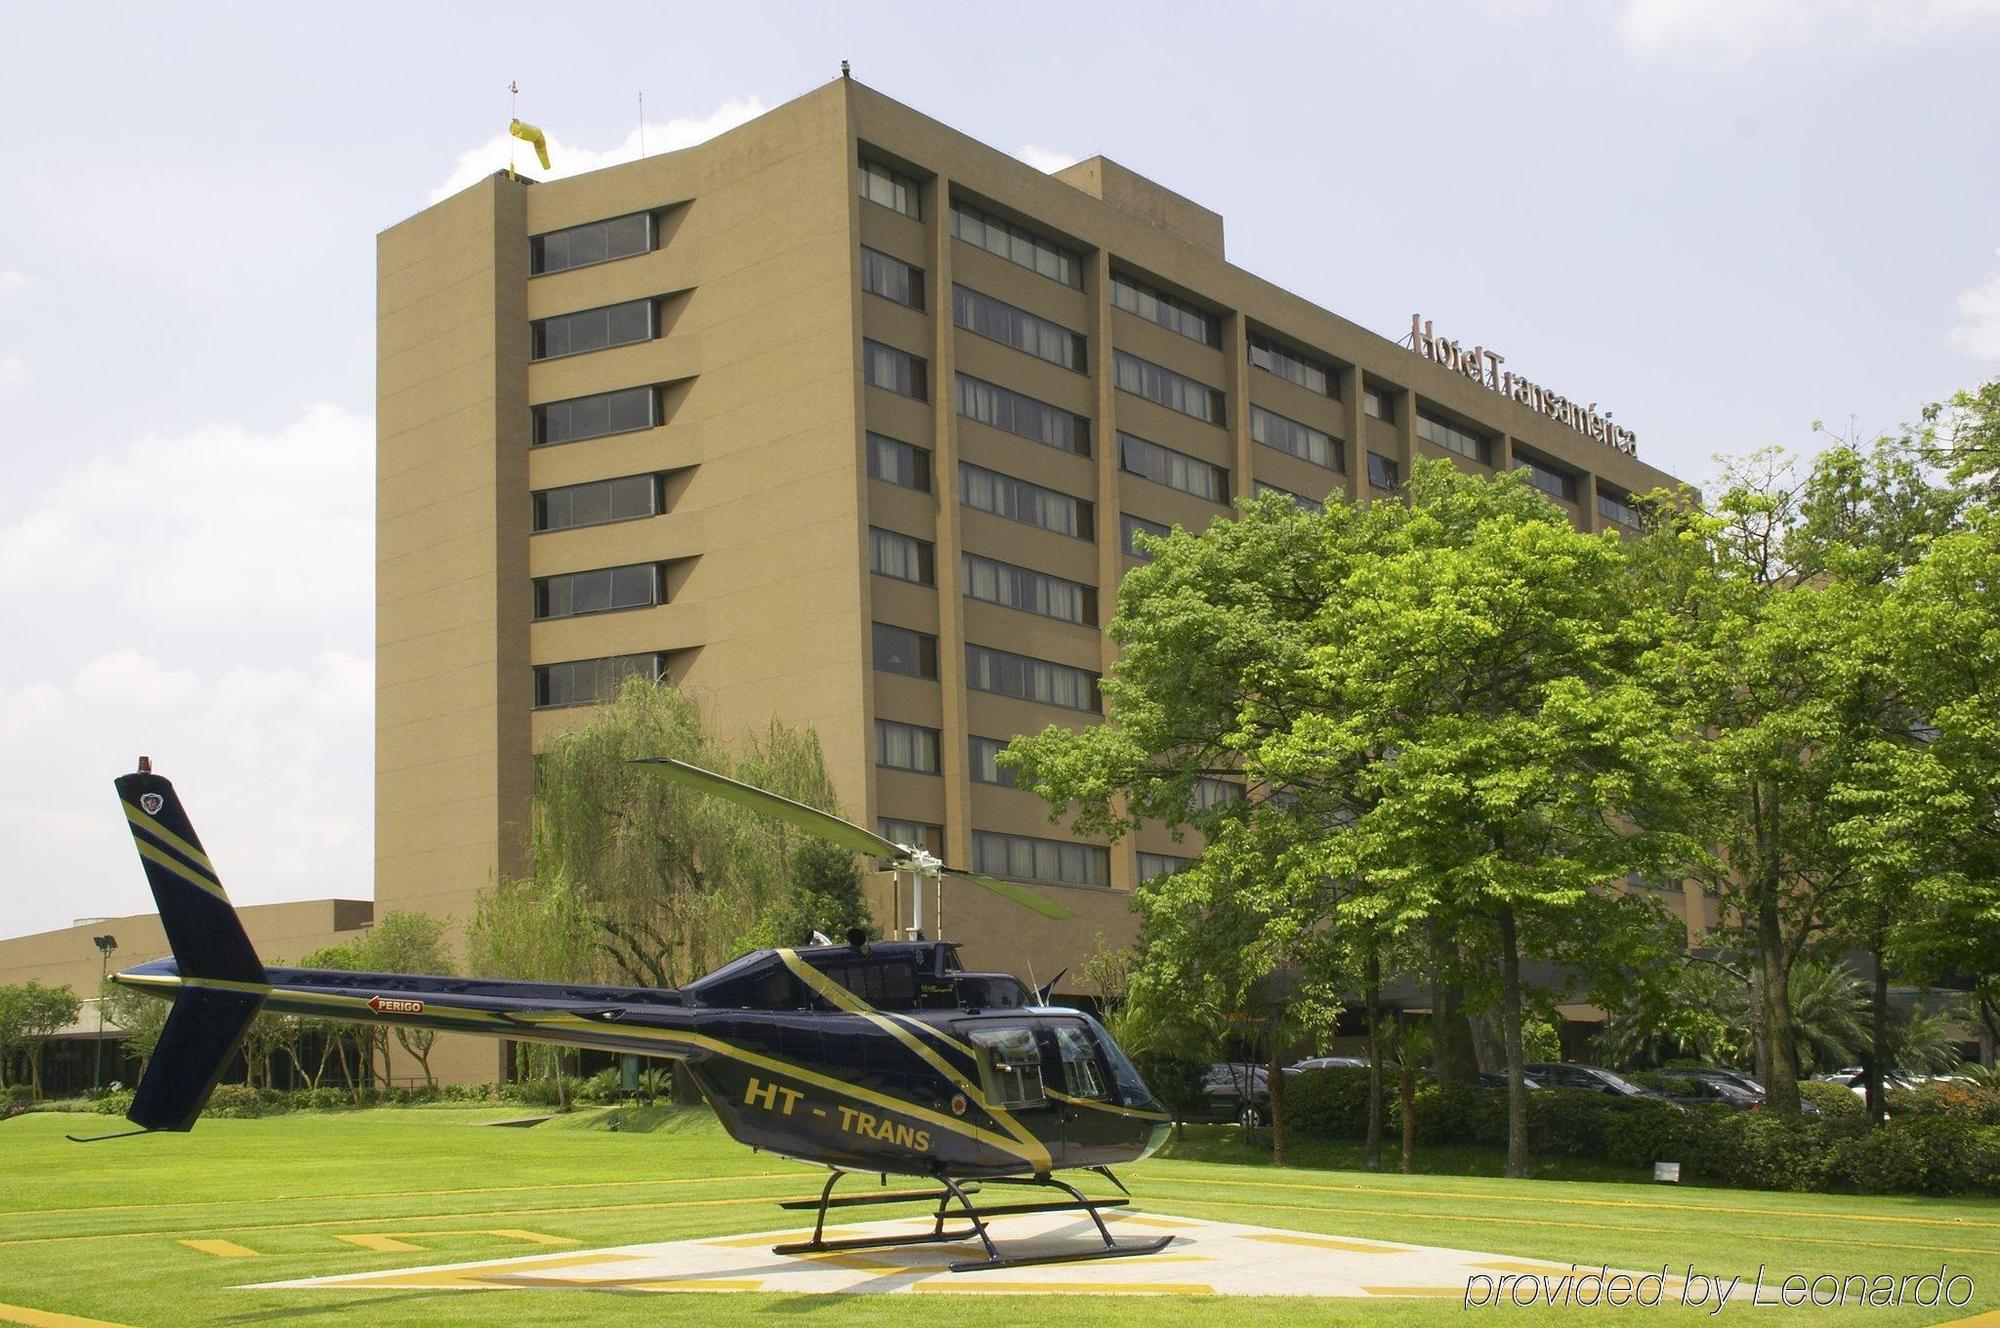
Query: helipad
{"type": "Point", "coordinates": [1205, 1258]}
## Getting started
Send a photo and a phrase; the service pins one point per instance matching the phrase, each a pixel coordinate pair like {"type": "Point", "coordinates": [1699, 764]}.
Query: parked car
{"type": "Point", "coordinates": [1592, 1078]}
{"type": "Point", "coordinates": [1855, 1079]}
{"type": "Point", "coordinates": [1695, 1090]}
{"type": "Point", "coordinates": [1237, 1092]}
{"type": "Point", "coordinates": [1338, 1063]}
{"type": "Point", "coordinates": [1493, 1079]}
{"type": "Point", "coordinates": [1717, 1074]}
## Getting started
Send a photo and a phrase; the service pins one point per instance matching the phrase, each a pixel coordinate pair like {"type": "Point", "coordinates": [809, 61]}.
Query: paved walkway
{"type": "Point", "coordinates": [1206, 1258]}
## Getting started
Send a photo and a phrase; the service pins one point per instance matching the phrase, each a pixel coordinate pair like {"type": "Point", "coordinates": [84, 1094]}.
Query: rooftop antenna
{"type": "Point", "coordinates": [514, 114]}
{"type": "Point", "coordinates": [844, 70]}
{"type": "Point", "coordinates": [642, 125]}
{"type": "Point", "coordinates": [527, 133]}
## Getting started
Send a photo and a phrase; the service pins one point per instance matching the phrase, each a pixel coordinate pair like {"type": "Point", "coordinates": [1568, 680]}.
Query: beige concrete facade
{"type": "Point", "coordinates": [762, 449]}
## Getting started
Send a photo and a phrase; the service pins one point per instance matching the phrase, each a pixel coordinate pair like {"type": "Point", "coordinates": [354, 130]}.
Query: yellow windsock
{"type": "Point", "coordinates": [528, 133]}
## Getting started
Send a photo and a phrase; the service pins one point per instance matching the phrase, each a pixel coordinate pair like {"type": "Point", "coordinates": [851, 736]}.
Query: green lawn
{"type": "Point", "coordinates": [95, 1231]}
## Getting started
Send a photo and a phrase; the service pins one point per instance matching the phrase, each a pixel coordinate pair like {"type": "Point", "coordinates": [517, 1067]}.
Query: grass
{"type": "Point", "coordinates": [95, 1231]}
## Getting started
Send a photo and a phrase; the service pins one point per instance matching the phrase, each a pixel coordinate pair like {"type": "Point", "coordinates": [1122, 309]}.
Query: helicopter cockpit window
{"type": "Point", "coordinates": [889, 986]}
{"type": "Point", "coordinates": [1082, 1075]}
{"type": "Point", "coordinates": [1010, 1066]}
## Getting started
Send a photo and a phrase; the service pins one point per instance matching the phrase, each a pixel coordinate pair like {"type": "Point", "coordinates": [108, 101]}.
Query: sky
{"type": "Point", "coordinates": [1724, 219]}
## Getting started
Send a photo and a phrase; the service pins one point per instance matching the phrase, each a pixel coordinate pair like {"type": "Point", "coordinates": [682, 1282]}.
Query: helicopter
{"type": "Point", "coordinates": [868, 1058]}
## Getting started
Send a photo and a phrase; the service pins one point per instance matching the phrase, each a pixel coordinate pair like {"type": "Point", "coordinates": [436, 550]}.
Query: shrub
{"type": "Point", "coordinates": [602, 1087]}
{"type": "Point", "coordinates": [1177, 1080]}
{"type": "Point", "coordinates": [1951, 1099]}
{"type": "Point", "coordinates": [1454, 1114]}
{"type": "Point", "coordinates": [1763, 1150]}
{"type": "Point", "coordinates": [19, 1095]}
{"type": "Point", "coordinates": [1568, 1121]}
{"type": "Point", "coordinates": [466, 1092]}
{"type": "Point", "coordinates": [324, 1098]}
{"type": "Point", "coordinates": [1639, 1131]}
{"type": "Point", "coordinates": [233, 1100]}
{"type": "Point", "coordinates": [1331, 1103]}
{"type": "Point", "coordinates": [1917, 1154]}
{"type": "Point", "coordinates": [1836, 1102]}
{"type": "Point", "coordinates": [114, 1103]}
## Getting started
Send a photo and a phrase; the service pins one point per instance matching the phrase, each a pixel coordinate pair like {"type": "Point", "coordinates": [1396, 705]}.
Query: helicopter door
{"type": "Point", "coordinates": [1013, 1071]}
{"type": "Point", "coordinates": [1090, 1119]}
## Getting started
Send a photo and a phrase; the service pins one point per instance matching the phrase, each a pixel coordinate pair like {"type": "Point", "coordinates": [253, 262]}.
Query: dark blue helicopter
{"type": "Point", "coordinates": [882, 1057]}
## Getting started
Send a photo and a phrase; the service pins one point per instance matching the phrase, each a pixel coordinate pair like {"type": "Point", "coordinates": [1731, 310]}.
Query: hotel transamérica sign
{"type": "Point", "coordinates": [1482, 366]}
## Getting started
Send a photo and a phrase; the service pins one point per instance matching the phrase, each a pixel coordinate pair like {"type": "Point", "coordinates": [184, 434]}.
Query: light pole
{"type": "Point", "coordinates": [105, 945]}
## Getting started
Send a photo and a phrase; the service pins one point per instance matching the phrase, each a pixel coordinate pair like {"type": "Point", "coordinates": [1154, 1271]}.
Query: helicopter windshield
{"type": "Point", "coordinates": [1130, 1086]}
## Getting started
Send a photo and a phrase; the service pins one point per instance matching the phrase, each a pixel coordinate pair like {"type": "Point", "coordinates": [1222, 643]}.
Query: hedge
{"type": "Point", "coordinates": [1939, 1140]}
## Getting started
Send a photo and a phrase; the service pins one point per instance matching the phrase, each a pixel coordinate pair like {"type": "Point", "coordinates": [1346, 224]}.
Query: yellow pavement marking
{"type": "Point", "coordinates": [478, 1276]}
{"type": "Point", "coordinates": [717, 1284]}
{"type": "Point", "coordinates": [49, 1319]}
{"type": "Point", "coordinates": [1414, 1291]}
{"type": "Point", "coordinates": [1513, 1266]}
{"type": "Point", "coordinates": [532, 1237]}
{"type": "Point", "coordinates": [959, 1284]}
{"type": "Point", "coordinates": [1146, 1220]}
{"type": "Point", "coordinates": [1325, 1243]}
{"type": "Point", "coordinates": [221, 1249]}
{"type": "Point", "coordinates": [1990, 1319]}
{"type": "Point", "coordinates": [381, 1244]}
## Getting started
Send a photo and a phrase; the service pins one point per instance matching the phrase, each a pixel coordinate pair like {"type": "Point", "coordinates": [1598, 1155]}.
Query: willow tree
{"type": "Point", "coordinates": [636, 879]}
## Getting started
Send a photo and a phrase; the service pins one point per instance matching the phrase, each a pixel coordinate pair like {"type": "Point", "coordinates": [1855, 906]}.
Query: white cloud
{"type": "Point", "coordinates": [13, 279]}
{"type": "Point", "coordinates": [205, 598]}
{"type": "Point", "coordinates": [475, 164]}
{"type": "Point", "coordinates": [1046, 160]}
{"type": "Point", "coordinates": [217, 524]}
{"type": "Point", "coordinates": [274, 764]}
{"type": "Point", "coordinates": [1732, 31]}
{"type": "Point", "coordinates": [13, 369]}
{"type": "Point", "coordinates": [1977, 332]}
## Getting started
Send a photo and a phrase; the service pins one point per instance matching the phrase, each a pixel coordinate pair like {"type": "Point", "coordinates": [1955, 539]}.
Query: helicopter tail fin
{"type": "Point", "coordinates": [222, 983]}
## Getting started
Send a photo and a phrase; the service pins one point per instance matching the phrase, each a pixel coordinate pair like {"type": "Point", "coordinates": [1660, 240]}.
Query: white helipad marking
{"type": "Point", "coordinates": [1206, 1258]}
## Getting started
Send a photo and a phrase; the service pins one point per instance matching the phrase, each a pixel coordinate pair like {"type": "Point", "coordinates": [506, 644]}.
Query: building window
{"type": "Point", "coordinates": [892, 278]}
{"type": "Point", "coordinates": [1300, 499]}
{"type": "Point", "coordinates": [1300, 440]}
{"type": "Point", "coordinates": [1030, 591]}
{"type": "Point", "coordinates": [892, 189]}
{"type": "Point", "coordinates": [986, 767]}
{"type": "Point", "coordinates": [592, 243]}
{"type": "Point", "coordinates": [1294, 367]}
{"type": "Point", "coordinates": [1384, 472]}
{"type": "Point", "coordinates": [1378, 404]}
{"type": "Point", "coordinates": [598, 502]}
{"type": "Point", "coordinates": [1167, 388]}
{"type": "Point", "coordinates": [593, 329]}
{"type": "Point", "coordinates": [996, 320]}
{"type": "Point", "coordinates": [1136, 297]}
{"type": "Point", "coordinates": [1023, 416]}
{"type": "Point", "coordinates": [599, 591]}
{"type": "Point", "coordinates": [597, 416]}
{"type": "Point", "coordinates": [906, 747]}
{"type": "Point", "coordinates": [1007, 674]}
{"type": "Point", "coordinates": [900, 556]}
{"type": "Point", "coordinates": [1023, 858]}
{"type": "Point", "coordinates": [1152, 865]}
{"type": "Point", "coordinates": [1615, 506]}
{"type": "Point", "coordinates": [900, 650]}
{"type": "Point", "coordinates": [912, 834]}
{"type": "Point", "coordinates": [1016, 244]}
{"type": "Point", "coordinates": [1549, 479]}
{"type": "Point", "coordinates": [1176, 470]}
{"type": "Point", "coordinates": [591, 681]}
{"type": "Point", "coordinates": [1130, 527]}
{"type": "Point", "coordinates": [1210, 792]}
{"type": "Point", "coordinates": [1017, 500]}
{"type": "Point", "coordinates": [894, 370]}
{"type": "Point", "coordinates": [899, 463]}
{"type": "Point", "coordinates": [1454, 439]}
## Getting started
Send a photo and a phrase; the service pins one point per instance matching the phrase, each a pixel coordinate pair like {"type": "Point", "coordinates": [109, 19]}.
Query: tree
{"type": "Point", "coordinates": [140, 1019]}
{"type": "Point", "coordinates": [31, 1014]}
{"type": "Point", "coordinates": [824, 896]}
{"type": "Point", "coordinates": [668, 882]}
{"type": "Point", "coordinates": [406, 942]}
{"type": "Point", "coordinates": [1444, 722]}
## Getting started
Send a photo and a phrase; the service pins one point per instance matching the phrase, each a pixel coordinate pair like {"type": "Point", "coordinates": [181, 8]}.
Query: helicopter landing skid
{"type": "Point", "coordinates": [977, 1216]}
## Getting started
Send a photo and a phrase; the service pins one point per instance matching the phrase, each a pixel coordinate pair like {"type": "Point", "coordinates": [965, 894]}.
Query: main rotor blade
{"type": "Point", "coordinates": [809, 819]}
{"type": "Point", "coordinates": [1019, 894]}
